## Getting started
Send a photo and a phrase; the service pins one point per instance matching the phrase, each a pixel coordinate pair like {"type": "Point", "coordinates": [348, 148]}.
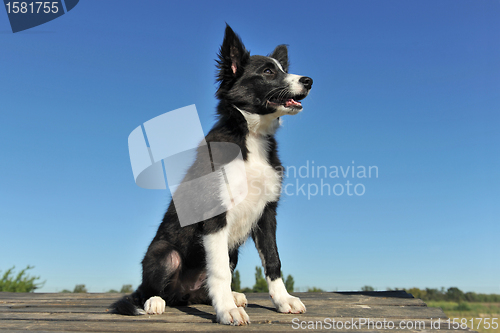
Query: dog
{"type": "Point", "coordinates": [194, 264]}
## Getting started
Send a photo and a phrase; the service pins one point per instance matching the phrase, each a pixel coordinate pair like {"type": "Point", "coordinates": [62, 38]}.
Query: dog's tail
{"type": "Point", "coordinates": [129, 305]}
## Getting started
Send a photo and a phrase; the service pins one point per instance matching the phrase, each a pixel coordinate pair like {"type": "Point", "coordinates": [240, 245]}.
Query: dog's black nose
{"type": "Point", "coordinates": [306, 81]}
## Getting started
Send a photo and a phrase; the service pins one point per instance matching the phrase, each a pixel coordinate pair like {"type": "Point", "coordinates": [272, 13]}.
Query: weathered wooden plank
{"type": "Point", "coordinates": [206, 313]}
{"type": "Point", "coordinates": [385, 293]}
{"type": "Point", "coordinates": [67, 326]}
{"type": "Point", "coordinates": [339, 310]}
{"type": "Point", "coordinates": [12, 296]}
{"type": "Point", "coordinates": [88, 313]}
{"type": "Point", "coordinates": [319, 303]}
{"type": "Point", "coordinates": [106, 299]}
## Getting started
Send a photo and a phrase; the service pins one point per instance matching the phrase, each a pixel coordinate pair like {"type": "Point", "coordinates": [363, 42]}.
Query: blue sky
{"type": "Point", "coordinates": [409, 87]}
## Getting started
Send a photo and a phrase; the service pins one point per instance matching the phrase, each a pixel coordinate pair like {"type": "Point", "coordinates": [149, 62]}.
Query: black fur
{"type": "Point", "coordinates": [255, 84]}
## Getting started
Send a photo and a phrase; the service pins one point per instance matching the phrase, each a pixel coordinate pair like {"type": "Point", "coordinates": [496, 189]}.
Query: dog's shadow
{"type": "Point", "coordinates": [192, 311]}
{"type": "Point", "coordinates": [261, 307]}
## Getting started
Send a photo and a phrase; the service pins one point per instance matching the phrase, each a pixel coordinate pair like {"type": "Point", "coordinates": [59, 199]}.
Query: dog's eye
{"type": "Point", "coordinates": [268, 71]}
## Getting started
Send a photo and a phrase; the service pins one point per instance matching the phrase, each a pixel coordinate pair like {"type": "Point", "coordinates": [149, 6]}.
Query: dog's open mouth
{"type": "Point", "coordinates": [288, 101]}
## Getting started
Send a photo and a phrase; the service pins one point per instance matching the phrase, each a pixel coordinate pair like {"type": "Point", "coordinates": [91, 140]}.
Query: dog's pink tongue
{"type": "Point", "coordinates": [292, 102]}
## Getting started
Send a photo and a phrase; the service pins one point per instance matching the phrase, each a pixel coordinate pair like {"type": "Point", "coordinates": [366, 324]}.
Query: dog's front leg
{"type": "Point", "coordinates": [264, 237]}
{"type": "Point", "coordinates": [219, 279]}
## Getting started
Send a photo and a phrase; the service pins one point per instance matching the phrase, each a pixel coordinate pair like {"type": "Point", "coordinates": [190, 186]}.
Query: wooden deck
{"type": "Point", "coordinates": [70, 312]}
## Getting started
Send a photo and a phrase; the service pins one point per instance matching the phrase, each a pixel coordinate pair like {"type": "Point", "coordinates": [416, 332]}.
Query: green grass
{"type": "Point", "coordinates": [472, 311]}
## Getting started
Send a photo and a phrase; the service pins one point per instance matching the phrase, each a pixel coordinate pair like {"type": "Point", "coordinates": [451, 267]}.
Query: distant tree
{"type": "Point", "coordinates": [236, 282]}
{"type": "Point", "coordinates": [433, 294]}
{"type": "Point", "coordinates": [260, 285]}
{"type": "Point", "coordinates": [289, 283]}
{"type": "Point", "coordinates": [246, 290]}
{"type": "Point", "coordinates": [22, 282]}
{"type": "Point", "coordinates": [493, 298]}
{"type": "Point", "coordinates": [66, 291]}
{"type": "Point", "coordinates": [417, 293]}
{"type": "Point", "coordinates": [471, 297]}
{"type": "Point", "coordinates": [112, 291]}
{"type": "Point", "coordinates": [454, 294]}
{"type": "Point", "coordinates": [315, 290]}
{"type": "Point", "coordinates": [127, 289]}
{"type": "Point", "coordinates": [367, 288]}
{"type": "Point", "coordinates": [80, 288]}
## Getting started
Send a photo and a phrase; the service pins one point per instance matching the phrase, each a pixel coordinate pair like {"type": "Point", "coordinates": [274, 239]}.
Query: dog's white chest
{"type": "Point", "coordinates": [263, 184]}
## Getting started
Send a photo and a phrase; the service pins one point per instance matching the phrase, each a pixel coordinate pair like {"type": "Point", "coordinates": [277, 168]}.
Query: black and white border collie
{"type": "Point", "coordinates": [194, 264]}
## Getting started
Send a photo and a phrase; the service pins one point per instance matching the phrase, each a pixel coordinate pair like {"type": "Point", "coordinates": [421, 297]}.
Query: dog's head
{"type": "Point", "coordinates": [259, 84]}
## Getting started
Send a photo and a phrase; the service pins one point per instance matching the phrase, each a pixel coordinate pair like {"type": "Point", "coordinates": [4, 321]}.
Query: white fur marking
{"type": "Point", "coordinates": [154, 305]}
{"type": "Point", "coordinates": [262, 124]}
{"type": "Point", "coordinates": [240, 299]}
{"type": "Point", "coordinates": [263, 185]}
{"type": "Point", "coordinates": [282, 300]}
{"type": "Point", "coordinates": [219, 279]}
{"type": "Point", "coordinates": [294, 85]}
{"type": "Point", "coordinates": [278, 64]}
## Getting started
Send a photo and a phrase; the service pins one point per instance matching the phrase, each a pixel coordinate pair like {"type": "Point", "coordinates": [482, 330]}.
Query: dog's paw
{"type": "Point", "coordinates": [235, 317]}
{"type": "Point", "coordinates": [240, 299]}
{"type": "Point", "coordinates": [289, 304]}
{"type": "Point", "coordinates": [154, 305]}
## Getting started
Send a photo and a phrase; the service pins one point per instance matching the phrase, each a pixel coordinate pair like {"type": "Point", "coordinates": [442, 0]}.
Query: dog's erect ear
{"type": "Point", "coordinates": [232, 56]}
{"type": "Point", "coordinates": [280, 53]}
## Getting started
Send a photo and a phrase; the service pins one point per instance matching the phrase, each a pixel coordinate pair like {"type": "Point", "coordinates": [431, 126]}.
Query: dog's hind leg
{"type": "Point", "coordinates": [161, 267]}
